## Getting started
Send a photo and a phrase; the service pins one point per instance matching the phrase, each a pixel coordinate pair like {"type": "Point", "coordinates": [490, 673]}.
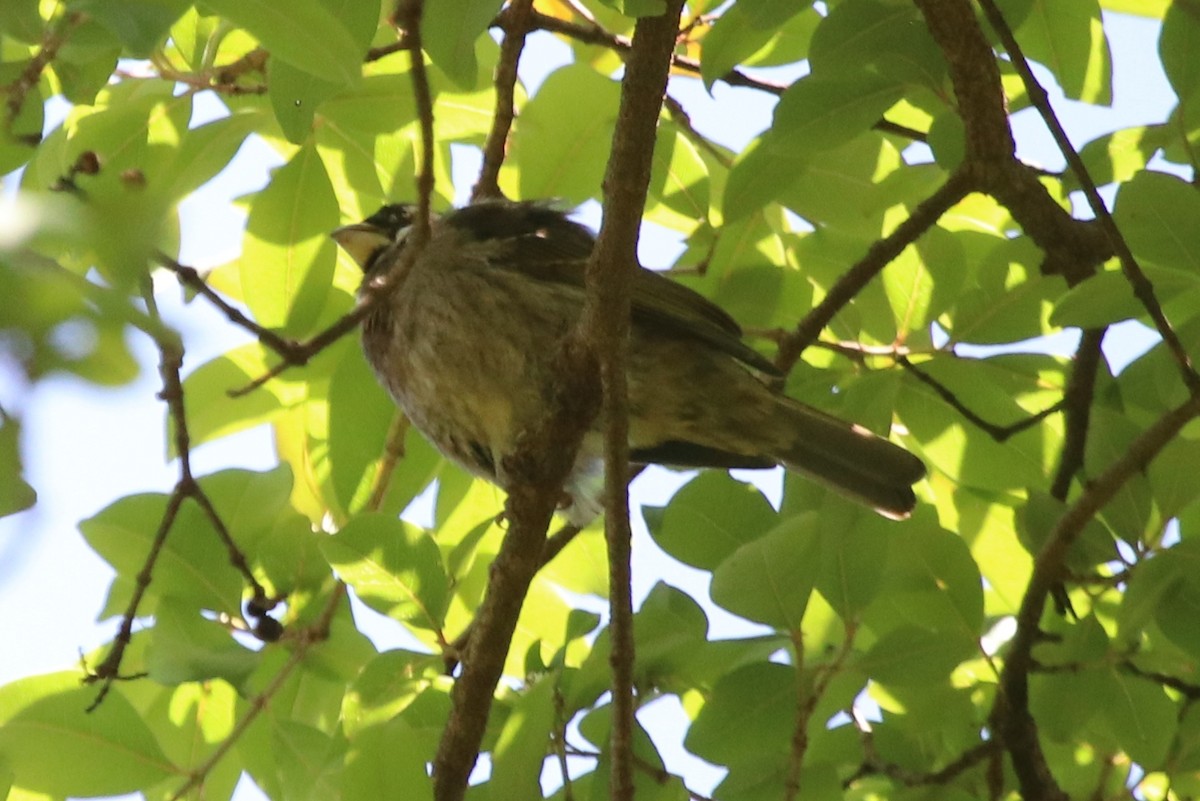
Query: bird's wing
{"type": "Point", "coordinates": [538, 240]}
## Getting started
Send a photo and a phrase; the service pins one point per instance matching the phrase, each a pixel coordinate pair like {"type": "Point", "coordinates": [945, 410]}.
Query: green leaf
{"type": "Point", "coordinates": [885, 36]}
{"type": "Point", "coordinates": [522, 741]}
{"type": "Point", "coordinates": [395, 568]}
{"type": "Point", "coordinates": [1037, 520]}
{"type": "Point", "coordinates": [1102, 299]}
{"type": "Point", "coordinates": [853, 552]}
{"type": "Point", "coordinates": [310, 760]}
{"type": "Point", "coordinates": [1155, 212]}
{"type": "Point", "coordinates": [749, 715]}
{"type": "Point", "coordinates": [1177, 47]}
{"type": "Point", "coordinates": [295, 96]}
{"type": "Point", "coordinates": [287, 256]}
{"type": "Point", "coordinates": [563, 155]}
{"type": "Point", "coordinates": [948, 139]}
{"type": "Point", "coordinates": [743, 30]}
{"type": "Point", "coordinates": [205, 151]}
{"type": "Point", "coordinates": [190, 722]}
{"type": "Point", "coordinates": [990, 388]}
{"type": "Point", "coordinates": [933, 582]}
{"type": "Point", "coordinates": [15, 493]}
{"type": "Point", "coordinates": [1141, 718]}
{"type": "Point", "coordinates": [86, 61]}
{"type": "Point", "coordinates": [679, 177]}
{"type": "Point", "coordinates": [709, 518]}
{"type": "Point", "coordinates": [387, 761]}
{"type": "Point", "coordinates": [754, 179]}
{"type": "Point", "coordinates": [360, 415]}
{"type": "Point", "coordinates": [1118, 156]}
{"type": "Point", "coordinates": [913, 656]}
{"type": "Point", "coordinates": [769, 579]}
{"type": "Point", "coordinates": [379, 103]}
{"type": "Point", "coordinates": [669, 629]}
{"type": "Point", "coordinates": [1110, 435]}
{"type": "Point", "coordinates": [304, 33]}
{"type": "Point", "coordinates": [1154, 579]}
{"type": "Point", "coordinates": [20, 20]}
{"type": "Point", "coordinates": [1172, 481]}
{"type": "Point", "coordinates": [449, 31]}
{"type": "Point", "coordinates": [141, 25]}
{"type": "Point", "coordinates": [1068, 39]}
{"type": "Point", "coordinates": [212, 413]}
{"type": "Point", "coordinates": [192, 565]}
{"type": "Point", "coordinates": [1064, 705]}
{"type": "Point", "coordinates": [187, 647]}
{"type": "Point", "coordinates": [841, 188]}
{"type": "Point", "coordinates": [388, 684]}
{"type": "Point", "coordinates": [45, 726]}
{"type": "Point", "coordinates": [817, 113]}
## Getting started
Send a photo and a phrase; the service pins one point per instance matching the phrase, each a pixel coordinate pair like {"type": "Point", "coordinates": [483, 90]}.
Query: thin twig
{"type": "Point", "coordinates": [874, 764]}
{"type": "Point", "coordinates": [514, 21]}
{"type": "Point", "coordinates": [53, 38]}
{"type": "Point", "coordinates": [189, 277]}
{"type": "Point", "coordinates": [880, 254]}
{"type": "Point", "coordinates": [393, 452]}
{"type": "Point", "coordinates": [305, 640]}
{"type": "Point", "coordinates": [170, 370]}
{"type": "Point", "coordinates": [1142, 287]}
{"type": "Point", "coordinates": [806, 702]}
{"type": "Point", "coordinates": [997, 432]}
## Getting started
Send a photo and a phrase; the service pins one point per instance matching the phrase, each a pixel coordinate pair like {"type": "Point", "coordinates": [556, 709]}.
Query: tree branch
{"type": "Point", "coordinates": [605, 325]}
{"type": "Point", "coordinates": [1142, 288]}
{"type": "Point", "coordinates": [514, 20]}
{"type": "Point", "coordinates": [1012, 715]}
{"type": "Point", "coordinates": [170, 366]}
{"type": "Point", "coordinates": [878, 256]}
{"type": "Point", "coordinates": [997, 432]}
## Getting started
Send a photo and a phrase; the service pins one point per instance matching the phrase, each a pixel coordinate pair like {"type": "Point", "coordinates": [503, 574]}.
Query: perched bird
{"type": "Point", "coordinates": [465, 343]}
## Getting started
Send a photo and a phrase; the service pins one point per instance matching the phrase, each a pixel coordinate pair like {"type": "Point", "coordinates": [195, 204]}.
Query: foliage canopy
{"type": "Point", "coordinates": [919, 658]}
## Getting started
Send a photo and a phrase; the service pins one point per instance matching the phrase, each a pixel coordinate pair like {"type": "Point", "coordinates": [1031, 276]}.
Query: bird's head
{"type": "Point", "coordinates": [366, 240]}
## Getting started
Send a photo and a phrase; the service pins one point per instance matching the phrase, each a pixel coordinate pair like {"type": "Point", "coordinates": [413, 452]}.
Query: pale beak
{"type": "Point", "coordinates": [361, 240]}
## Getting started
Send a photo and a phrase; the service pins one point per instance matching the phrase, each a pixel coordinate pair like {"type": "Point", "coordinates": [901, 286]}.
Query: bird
{"type": "Point", "coordinates": [465, 339]}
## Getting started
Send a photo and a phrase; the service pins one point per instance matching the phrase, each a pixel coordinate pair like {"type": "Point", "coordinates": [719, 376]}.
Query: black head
{"type": "Point", "coordinates": [364, 241]}
{"type": "Point", "coordinates": [392, 218]}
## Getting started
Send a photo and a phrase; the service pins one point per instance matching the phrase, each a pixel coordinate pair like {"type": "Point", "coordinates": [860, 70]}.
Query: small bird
{"type": "Point", "coordinates": [465, 344]}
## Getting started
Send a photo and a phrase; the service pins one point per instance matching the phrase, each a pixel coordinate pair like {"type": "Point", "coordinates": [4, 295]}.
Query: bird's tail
{"type": "Point", "coordinates": [848, 459]}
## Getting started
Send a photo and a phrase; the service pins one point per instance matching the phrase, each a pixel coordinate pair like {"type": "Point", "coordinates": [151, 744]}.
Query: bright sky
{"type": "Point", "coordinates": [84, 447]}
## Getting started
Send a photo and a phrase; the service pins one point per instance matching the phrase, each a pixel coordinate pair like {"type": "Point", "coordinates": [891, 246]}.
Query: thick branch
{"type": "Point", "coordinates": [1142, 287]}
{"type": "Point", "coordinates": [1077, 405]}
{"type": "Point", "coordinates": [1016, 723]}
{"type": "Point", "coordinates": [605, 324]}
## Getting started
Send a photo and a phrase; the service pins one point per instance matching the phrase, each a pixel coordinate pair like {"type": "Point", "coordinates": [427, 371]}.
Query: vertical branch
{"type": "Point", "coordinates": [605, 325]}
{"type": "Point", "coordinates": [515, 21]}
{"type": "Point", "coordinates": [408, 16]}
{"type": "Point", "coordinates": [1077, 407]}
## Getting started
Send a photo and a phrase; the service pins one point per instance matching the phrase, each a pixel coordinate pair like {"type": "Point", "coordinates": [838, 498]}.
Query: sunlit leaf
{"type": "Point", "coordinates": [45, 724]}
